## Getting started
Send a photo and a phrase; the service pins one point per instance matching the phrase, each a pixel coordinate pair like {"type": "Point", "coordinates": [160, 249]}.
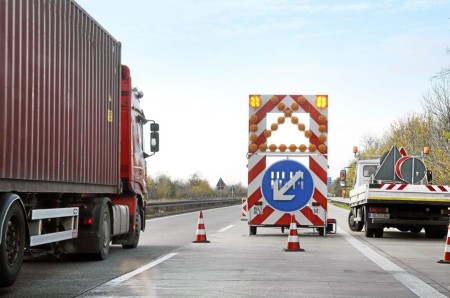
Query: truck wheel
{"type": "Point", "coordinates": [137, 231]}
{"type": "Point", "coordinates": [104, 234]}
{"type": "Point", "coordinates": [369, 232]}
{"type": "Point", "coordinates": [12, 245]}
{"type": "Point", "coordinates": [378, 233]}
{"type": "Point", "coordinates": [354, 225]}
{"type": "Point", "coordinates": [438, 232]}
{"type": "Point", "coordinates": [321, 231]}
{"type": "Point", "coordinates": [416, 229]}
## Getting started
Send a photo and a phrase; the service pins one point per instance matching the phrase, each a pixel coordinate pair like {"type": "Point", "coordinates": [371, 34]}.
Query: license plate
{"type": "Point", "coordinates": [258, 210]}
{"type": "Point", "coordinates": [379, 215]}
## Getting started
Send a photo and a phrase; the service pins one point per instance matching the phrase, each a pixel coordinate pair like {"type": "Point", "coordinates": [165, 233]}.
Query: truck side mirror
{"type": "Point", "coordinates": [154, 141]}
{"type": "Point", "coordinates": [343, 175]}
{"type": "Point", "coordinates": [154, 127]}
{"type": "Point", "coordinates": [430, 176]}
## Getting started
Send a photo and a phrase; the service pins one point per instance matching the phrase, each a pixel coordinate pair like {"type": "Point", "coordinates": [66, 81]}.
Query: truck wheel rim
{"type": "Point", "coordinates": [352, 220]}
{"type": "Point", "coordinates": [105, 236]}
{"type": "Point", "coordinates": [12, 241]}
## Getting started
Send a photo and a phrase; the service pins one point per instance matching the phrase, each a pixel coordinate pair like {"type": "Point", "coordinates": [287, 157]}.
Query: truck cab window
{"type": "Point", "coordinates": [369, 170]}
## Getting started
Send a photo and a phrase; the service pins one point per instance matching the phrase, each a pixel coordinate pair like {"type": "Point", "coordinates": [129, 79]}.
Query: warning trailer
{"type": "Point", "coordinates": [287, 177]}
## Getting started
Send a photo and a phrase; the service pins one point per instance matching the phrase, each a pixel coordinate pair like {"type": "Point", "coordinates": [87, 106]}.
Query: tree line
{"type": "Point", "coordinates": [162, 187]}
{"type": "Point", "coordinates": [414, 131]}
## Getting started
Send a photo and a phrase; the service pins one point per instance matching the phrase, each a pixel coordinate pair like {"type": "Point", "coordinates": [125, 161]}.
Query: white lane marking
{"type": "Point", "coordinates": [114, 282]}
{"type": "Point", "coordinates": [413, 283]}
{"type": "Point", "coordinates": [226, 228]}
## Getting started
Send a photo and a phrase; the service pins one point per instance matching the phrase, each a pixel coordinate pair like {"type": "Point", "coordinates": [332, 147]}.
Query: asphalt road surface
{"type": "Point", "coordinates": [233, 264]}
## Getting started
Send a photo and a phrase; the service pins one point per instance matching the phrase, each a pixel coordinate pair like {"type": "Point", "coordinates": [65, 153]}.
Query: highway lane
{"type": "Point", "coordinates": [341, 265]}
{"type": "Point", "coordinates": [413, 252]}
{"type": "Point", "coordinates": [236, 265]}
{"type": "Point", "coordinates": [49, 276]}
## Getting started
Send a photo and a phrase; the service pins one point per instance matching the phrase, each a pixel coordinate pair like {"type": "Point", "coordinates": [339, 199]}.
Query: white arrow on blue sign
{"type": "Point", "coordinates": [287, 185]}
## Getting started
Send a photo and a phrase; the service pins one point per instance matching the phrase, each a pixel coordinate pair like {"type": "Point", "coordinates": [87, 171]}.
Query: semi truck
{"type": "Point", "coordinates": [396, 191]}
{"type": "Point", "coordinates": [72, 159]}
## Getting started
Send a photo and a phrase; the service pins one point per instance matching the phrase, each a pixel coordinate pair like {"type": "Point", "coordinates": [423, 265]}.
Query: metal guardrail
{"type": "Point", "coordinates": [340, 200]}
{"type": "Point", "coordinates": [159, 208]}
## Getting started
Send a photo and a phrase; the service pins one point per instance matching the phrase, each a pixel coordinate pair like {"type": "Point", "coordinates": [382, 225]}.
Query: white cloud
{"type": "Point", "coordinates": [415, 5]}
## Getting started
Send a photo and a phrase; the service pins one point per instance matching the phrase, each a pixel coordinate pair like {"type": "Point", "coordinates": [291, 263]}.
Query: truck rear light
{"type": "Point", "coordinates": [379, 209]}
{"type": "Point", "coordinates": [87, 221]}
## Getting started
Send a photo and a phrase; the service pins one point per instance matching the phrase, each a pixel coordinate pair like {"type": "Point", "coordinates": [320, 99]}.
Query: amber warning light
{"type": "Point", "coordinates": [255, 101]}
{"type": "Point", "coordinates": [321, 101]}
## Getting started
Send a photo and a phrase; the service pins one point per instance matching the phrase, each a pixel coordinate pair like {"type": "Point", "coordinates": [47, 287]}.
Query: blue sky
{"type": "Point", "coordinates": [197, 61]}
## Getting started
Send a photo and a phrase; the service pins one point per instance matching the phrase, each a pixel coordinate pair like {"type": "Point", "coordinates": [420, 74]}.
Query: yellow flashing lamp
{"type": "Point", "coordinates": [426, 150]}
{"type": "Point", "coordinates": [255, 101]}
{"type": "Point", "coordinates": [355, 149]}
{"type": "Point", "coordinates": [321, 101]}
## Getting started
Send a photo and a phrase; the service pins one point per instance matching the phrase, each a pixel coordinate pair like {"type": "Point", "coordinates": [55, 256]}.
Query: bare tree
{"type": "Point", "coordinates": [444, 72]}
{"type": "Point", "coordinates": [437, 103]}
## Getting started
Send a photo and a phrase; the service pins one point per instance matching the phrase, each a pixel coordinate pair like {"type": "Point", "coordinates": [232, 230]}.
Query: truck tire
{"type": "Point", "coordinates": [369, 232]}
{"type": "Point", "coordinates": [353, 225]}
{"type": "Point", "coordinates": [415, 229]}
{"type": "Point", "coordinates": [12, 245]}
{"type": "Point", "coordinates": [137, 230]}
{"type": "Point", "coordinates": [435, 232]}
{"type": "Point", "coordinates": [378, 233]}
{"type": "Point", "coordinates": [104, 233]}
{"type": "Point", "coordinates": [321, 231]}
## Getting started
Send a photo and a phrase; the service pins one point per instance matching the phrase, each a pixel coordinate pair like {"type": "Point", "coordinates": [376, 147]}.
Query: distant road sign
{"type": "Point", "coordinates": [287, 185]}
{"type": "Point", "coordinates": [329, 182]}
{"type": "Point", "coordinates": [220, 185]}
{"type": "Point", "coordinates": [232, 191]}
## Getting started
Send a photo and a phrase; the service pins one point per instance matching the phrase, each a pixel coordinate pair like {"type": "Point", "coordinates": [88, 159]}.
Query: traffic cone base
{"type": "Point", "coordinates": [200, 235]}
{"type": "Point", "coordinates": [446, 259]}
{"type": "Point", "coordinates": [293, 243]}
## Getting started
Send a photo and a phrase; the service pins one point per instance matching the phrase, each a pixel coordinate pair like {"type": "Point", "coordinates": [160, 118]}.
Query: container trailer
{"type": "Point", "coordinates": [72, 159]}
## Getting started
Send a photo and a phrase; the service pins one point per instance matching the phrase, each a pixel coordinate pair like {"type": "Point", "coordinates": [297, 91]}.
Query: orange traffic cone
{"type": "Point", "coordinates": [200, 235]}
{"type": "Point", "coordinates": [446, 259]}
{"type": "Point", "coordinates": [293, 243]}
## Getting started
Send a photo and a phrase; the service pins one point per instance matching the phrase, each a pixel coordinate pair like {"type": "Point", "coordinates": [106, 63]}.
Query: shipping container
{"type": "Point", "coordinates": [59, 99]}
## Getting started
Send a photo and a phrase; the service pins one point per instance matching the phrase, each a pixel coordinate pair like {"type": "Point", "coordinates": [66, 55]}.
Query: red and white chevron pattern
{"type": "Point", "coordinates": [260, 213]}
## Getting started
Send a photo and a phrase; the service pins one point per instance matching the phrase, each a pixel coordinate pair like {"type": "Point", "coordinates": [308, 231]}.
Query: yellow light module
{"type": "Point", "coordinates": [255, 101]}
{"type": "Point", "coordinates": [321, 101]}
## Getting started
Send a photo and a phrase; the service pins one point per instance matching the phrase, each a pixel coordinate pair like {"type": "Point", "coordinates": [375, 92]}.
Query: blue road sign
{"type": "Point", "coordinates": [287, 185]}
{"type": "Point", "coordinates": [329, 182]}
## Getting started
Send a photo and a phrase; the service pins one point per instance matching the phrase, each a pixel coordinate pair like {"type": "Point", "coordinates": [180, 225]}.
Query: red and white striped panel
{"type": "Point", "coordinates": [244, 209]}
{"type": "Point", "coordinates": [259, 212]}
{"type": "Point", "coordinates": [414, 188]}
